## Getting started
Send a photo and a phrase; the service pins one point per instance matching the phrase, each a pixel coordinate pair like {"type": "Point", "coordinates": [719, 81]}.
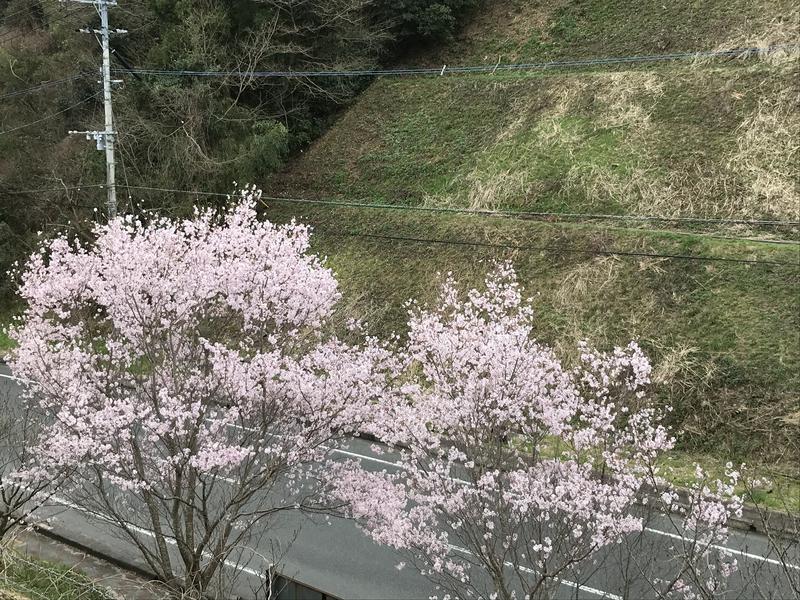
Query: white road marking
{"type": "Point", "coordinates": [380, 461]}
{"type": "Point", "coordinates": [249, 571]}
{"type": "Point", "coordinates": [149, 533]}
{"type": "Point", "coordinates": [395, 465]}
{"type": "Point", "coordinates": [20, 379]}
{"type": "Point", "coordinates": [572, 584]}
{"type": "Point", "coordinates": [648, 529]}
{"type": "Point", "coordinates": [461, 550]}
{"type": "Point", "coordinates": [771, 561]}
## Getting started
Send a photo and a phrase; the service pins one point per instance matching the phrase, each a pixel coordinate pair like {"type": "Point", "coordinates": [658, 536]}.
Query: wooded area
{"type": "Point", "coordinates": [179, 132]}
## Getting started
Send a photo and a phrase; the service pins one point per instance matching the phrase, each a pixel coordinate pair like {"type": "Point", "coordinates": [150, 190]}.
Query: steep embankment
{"type": "Point", "coordinates": [702, 138]}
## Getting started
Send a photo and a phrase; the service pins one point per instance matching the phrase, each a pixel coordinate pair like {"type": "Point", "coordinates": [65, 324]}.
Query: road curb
{"type": "Point", "coordinates": [122, 564]}
{"type": "Point", "coordinates": [752, 520]}
{"type": "Point", "coordinates": [765, 522]}
{"type": "Point", "coordinates": [785, 524]}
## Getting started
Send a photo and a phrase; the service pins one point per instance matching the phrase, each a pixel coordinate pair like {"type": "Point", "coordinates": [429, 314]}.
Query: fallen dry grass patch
{"type": "Point", "coordinates": [767, 155]}
{"type": "Point", "coordinates": [777, 41]}
{"type": "Point", "coordinates": [628, 99]}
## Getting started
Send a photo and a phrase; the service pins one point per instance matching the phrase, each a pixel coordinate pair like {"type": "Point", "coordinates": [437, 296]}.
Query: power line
{"type": "Point", "coordinates": [561, 250]}
{"type": "Point", "coordinates": [555, 249]}
{"type": "Point", "coordinates": [517, 214]}
{"type": "Point", "coordinates": [6, 17]}
{"type": "Point", "coordinates": [746, 52]}
{"type": "Point", "coordinates": [129, 203]}
{"type": "Point", "coordinates": [54, 189]}
{"type": "Point", "coordinates": [43, 85]}
{"type": "Point", "coordinates": [523, 214]}
{"type": "Point", "coordinates": [58, 19]}
{"type": "Point", "coordinates": [54, 17]}
{"type": "Point", "coordinates": [176, 191]}
{"type": "Point", "coordinates": [51, 115]}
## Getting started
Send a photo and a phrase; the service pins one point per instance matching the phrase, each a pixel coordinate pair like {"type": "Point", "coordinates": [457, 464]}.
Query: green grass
{"type": "Point", "coordinates": [523, 31]}
{"type": "Point", "coordinates": [723, 336]}
{"type": "Point", "coordinates": [781, 490]}
{"type": "Point", "coordinates": [716, 139]}
{"type": "Point", "coordinates": [31, 578]}
{"type": "Point", "coordinates": [666, 141]}
{"type": "Point", "coordinates": [778, 484]}
{"type": "Point", "coordinates": [6, 343]}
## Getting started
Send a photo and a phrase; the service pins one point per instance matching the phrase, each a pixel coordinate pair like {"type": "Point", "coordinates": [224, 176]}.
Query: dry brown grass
{"type": "Point", "coordinates": [502, 19]}
{"type": "Point", "coordinates": [694, 190]}
{"type": "Point", "coordinates": [784, 30]}
{"type": "Point", "coordinates": [563, 94]}
{"type": "Point", "coordinates": [680, 365]}
{"type": "Point", "coordinates": [627, 99]}
{"type": "Point", "coordinates": [490, 191]}
{"type": "Point", "coordinates": [646, 191]}
{"type": "Point", "coordinates": [767, 155]}
{"type": "Point", "coordinates": [619, 100]}
{"type": "Point", "coordinates": [587, 279]}
{"type": "Point", "coordinates": [759, 177]}
{"type": "Point", "coordinates": [583, 288]}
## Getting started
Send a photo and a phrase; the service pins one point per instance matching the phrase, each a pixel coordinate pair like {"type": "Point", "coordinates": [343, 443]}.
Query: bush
{"type": "Point", "coordinates": [427, 19]}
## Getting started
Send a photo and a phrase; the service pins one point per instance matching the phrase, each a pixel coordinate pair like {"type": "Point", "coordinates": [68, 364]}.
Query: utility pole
{"type": "Point", "coordinates": [105, 139]}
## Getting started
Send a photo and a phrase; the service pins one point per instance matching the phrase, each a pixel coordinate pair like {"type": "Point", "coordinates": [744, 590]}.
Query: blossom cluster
{"type": "Point", "coordinates": [170, 352]}
{"type": "Point", "coordinates": [198, 343]}
{"type": "Point", "coordinates": [508, 453]}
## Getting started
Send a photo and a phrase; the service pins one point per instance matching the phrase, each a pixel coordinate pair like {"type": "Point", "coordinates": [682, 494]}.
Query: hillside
{"type": "Point", "coordinates": [711, 138]}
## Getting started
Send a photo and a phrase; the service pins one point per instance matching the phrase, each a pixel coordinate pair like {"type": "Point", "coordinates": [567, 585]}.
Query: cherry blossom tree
{"type": "Point", "coordinates": [516, 472]}
{"type": "Point", "coordinates": [191, 380]}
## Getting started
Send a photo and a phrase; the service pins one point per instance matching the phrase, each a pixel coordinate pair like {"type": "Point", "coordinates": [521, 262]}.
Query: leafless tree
{"type": "Point", "coordinates": [20, 497]}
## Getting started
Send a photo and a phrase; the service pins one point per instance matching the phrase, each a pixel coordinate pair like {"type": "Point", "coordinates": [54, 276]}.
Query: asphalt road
{"type": "Point", "coordinates": [337, 558]}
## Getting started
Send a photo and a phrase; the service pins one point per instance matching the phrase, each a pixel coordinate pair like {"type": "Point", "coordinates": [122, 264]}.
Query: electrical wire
{"type": "Point", "coordinates": [555, 249]}
{"type": "Point", "coordinates": [559, 250]}
{"type": "Point", "coordinates": [523, 214]}
{"type": "Point", "coordinates": [54, 189]}
{"type": "Point", "coordinates": [551, 217]}
{"type": "Point", "coordinates": [176, 191]}
{"type": "Point", "coordinates": [6, 17]}
{"type": "Point", "coordinates": [51, 115]}
{"type": "Point", "coordinates": [43, 85]}
{"type": "Point", "coordinates": [120, 147]}
{"type": "Point", "coordinates": [446, 70]}
{"type": "Point", "coordinates": [66, 15]}
{"type": "Point", "coordinates": [518, 214]}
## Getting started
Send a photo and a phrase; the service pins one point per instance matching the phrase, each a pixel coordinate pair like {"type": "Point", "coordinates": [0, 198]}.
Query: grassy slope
{"type": "Point", "coordinates": [525, 30]}
{"type": "Point", "coordinates": [714, 139]}
{"type": "Point", "coordinates": [667, 141]}
{"type": "Point", "coordinates": [25, 577]}
{"type": "Point", "coordinates": [6, 316]}
{"type": "Point", "coordinates": [725, 333]}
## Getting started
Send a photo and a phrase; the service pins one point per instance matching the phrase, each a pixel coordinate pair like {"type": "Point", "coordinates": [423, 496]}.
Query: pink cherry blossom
{"type": "Point", "coordinates": [187, 369]}
{"type": "Point", "coordinates": [515, 465]}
